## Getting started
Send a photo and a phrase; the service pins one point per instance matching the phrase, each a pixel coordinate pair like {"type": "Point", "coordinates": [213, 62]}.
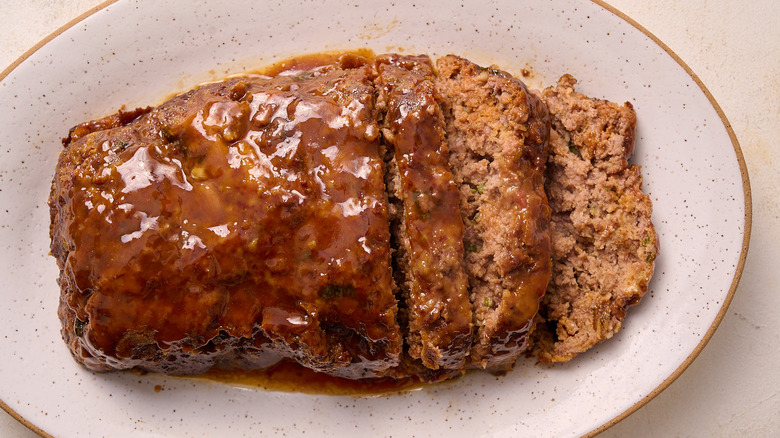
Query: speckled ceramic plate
{"type": "Point", "coordinates": [137, 53]}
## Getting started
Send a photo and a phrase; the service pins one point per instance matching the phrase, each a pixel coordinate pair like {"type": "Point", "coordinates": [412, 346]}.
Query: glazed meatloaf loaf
{"type": "Point", "coordinates": [237, 223]}
{"type": "Point", "coordinates": [604, 245]}
{"type": "Point", "coordinates": [360, 216]}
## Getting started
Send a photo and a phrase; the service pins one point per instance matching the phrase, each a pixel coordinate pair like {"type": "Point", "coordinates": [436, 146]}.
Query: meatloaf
{"type": "Point", "coordinates": [363, 217]}
{"type": "Point", "coordinates": [603, 243]}
{"type": "Point", "coordinates": [237, 223]}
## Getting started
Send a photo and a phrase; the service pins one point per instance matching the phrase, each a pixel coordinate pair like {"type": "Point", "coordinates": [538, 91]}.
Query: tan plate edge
{"type": "Point", "coordinates": [745, 238]}
{"type": "Point", "coordinates": [3, 75]}
{"type": "Point", "coordinates": [51, 36]}
{"type": "Point", "coordinates": [742, 166]}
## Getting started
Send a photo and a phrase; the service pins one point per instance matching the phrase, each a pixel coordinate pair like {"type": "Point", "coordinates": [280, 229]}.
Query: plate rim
{"type": "Point", "coordinates": [746, 188]}
{"type": "Point", "coordinates": [747, 193]}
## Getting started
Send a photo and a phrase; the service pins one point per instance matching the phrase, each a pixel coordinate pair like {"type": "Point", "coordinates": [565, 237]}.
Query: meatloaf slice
{"type": "Point", "coordinates": [604, 244]}
{"type": "Point", "coordinates": [497, 133]}
{"type": "Point", "coordinates": [429, 259]}
{"type": "Point", "coordinates": [240, 222]}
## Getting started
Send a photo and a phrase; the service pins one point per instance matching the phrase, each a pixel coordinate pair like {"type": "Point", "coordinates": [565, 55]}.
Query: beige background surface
{"type": "Point", "coordinates": [733, 388]}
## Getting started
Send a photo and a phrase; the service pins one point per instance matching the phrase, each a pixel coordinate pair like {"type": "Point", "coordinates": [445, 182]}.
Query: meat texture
{"type": "Point", "coordinates": [237, 223]}
{"type": "Point", "coordinates": [497, 133]}
{"type": "Point", "coordinates": [604, 245]}
{"type": "Point", "coordinates": [430, 269]}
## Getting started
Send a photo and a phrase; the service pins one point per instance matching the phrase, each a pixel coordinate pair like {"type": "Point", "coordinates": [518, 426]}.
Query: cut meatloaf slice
{"type": "Point", "coordinates": [604, 244]}
{"type": "Point", "coordinates": [237, 223]}
{"type": "Point", "coordinates": [497, 134]}
{"type": "Point", "coordinates": [425, 216]}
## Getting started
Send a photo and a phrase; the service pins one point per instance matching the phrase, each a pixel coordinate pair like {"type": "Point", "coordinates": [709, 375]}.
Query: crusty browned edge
{"type": "Point", "coordinates": [120, 118]}
{"type": "Point", "coordinates": [604, 244]}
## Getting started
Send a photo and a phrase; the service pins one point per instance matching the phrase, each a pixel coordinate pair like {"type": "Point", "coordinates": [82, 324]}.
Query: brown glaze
{"type": "Point", "coordinates": [252, 208]}
{"type": "Point", "coordinates": [436, 285]}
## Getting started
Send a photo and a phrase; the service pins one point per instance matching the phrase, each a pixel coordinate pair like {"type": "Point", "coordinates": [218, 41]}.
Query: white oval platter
{"type": "Point", "coordinates": [138, 52]}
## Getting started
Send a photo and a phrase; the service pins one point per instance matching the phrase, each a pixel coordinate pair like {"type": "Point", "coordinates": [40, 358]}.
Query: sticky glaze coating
{"type": "Point", "coordinates": [241, 222]}
{"type": "Point", "coordinates": [432, 275]}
